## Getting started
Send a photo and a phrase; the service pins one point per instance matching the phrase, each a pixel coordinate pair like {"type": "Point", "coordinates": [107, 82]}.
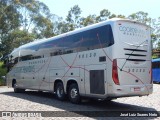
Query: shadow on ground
{"type": "Point", "coordinates": [85, 109]}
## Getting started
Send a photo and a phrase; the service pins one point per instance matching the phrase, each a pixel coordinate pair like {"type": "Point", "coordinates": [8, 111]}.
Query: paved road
{"type": "Point", "coordinates": [36, 101]}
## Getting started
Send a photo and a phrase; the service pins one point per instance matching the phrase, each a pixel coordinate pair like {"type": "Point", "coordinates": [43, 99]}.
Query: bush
{"type": "Point", "coordinates": [154, 56]}
{"type": "Point", "coordinates": [3, 72]}
{"type": "Point", "coordinates": [2, 82]}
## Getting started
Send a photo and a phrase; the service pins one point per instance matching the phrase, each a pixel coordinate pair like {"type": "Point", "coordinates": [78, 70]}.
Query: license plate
{"type": "Point", "coordinates": [137, 89]}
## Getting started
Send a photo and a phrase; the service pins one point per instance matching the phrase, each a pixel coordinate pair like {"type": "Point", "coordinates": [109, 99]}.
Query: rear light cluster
{"type": "Point", "coordinates": [115, 72]}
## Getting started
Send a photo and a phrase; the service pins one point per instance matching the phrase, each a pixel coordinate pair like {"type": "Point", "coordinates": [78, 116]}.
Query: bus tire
{"type": "Point", "coordinates": [60, 94]}
{"type": "Point", "coordinates": [17, 90]}
{"type": "Point", "coordinates": [73, 93]}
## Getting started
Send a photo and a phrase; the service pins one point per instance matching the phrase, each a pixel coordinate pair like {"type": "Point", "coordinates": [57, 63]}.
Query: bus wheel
{"type": "Point", "coordinates": [60, 94]}
{"type": "Point", "coordinates": [73, 94]}
{"type": "Point", "coordinates": [17, 90]}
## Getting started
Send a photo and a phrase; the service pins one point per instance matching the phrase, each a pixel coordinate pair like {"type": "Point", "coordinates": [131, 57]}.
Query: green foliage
{"type": "Point", "coordinates": [9, 20]}
{"type": "Point", "coordinates": [140, 17]}
{"type": "Point", "coordinates": [73, 17]}
{"type": "Point", "coordinates": [43, 28]}
{"type": "Point", "coordinates": [22, 21]}
{"type": "Point", "coordinates": [17, 38]}
{"type": "Point", "coordinates": [155, 56]}
{"type": "Point", "coordinates": [3, 72]}
{"type": "Point", "coordinates": [91, 19]}
{"type": "Point", "coordinates": [104, 15]}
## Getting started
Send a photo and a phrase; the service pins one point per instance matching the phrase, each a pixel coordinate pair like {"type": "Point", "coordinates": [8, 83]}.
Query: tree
{"type": "Point", "coordinates": [112, 16]}
{"type": "Point", "coordinates": [155, 24]}
{"type": "Point", "coordinates": [104, 15]}
{"type": "Point", "coordinates": [43, 27]}
{"type": "Point", "coordinates": [91, 19]}
{"type": "Point", "coordinates": [121, 16]}
{"type": "Point", "coordinates": [10, 20]}
{"type": "Point", "coordinates": [62, 27]}
{"type": "Point", "coordinates": [23, 21]}
{"type": "Point", "coordinates": [17, 38]}
{"type": "Point", "coordinates": [116, 16]}
{"type": "Point", "coordinates": [73, 18]}
{"type": "Point", "coordinates": [36, 15]}
{"type": "Point", "coordinates": [155, 30]}
{"type": "Point", "coordinates": [140, 17]}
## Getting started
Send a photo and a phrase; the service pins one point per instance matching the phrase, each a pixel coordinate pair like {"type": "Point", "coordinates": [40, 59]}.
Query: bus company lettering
{"type": "Point", "coordinates": [131, 30]}
{"type": "Point", "coordinates": [24, 69]}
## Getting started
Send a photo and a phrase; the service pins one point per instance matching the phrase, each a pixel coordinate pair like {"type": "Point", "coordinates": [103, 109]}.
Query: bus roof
{"type": "Point", "coordinates": [156, 60]}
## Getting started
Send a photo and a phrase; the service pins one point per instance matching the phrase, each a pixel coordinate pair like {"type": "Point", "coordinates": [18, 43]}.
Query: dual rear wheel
{"type": "Point", "coordinates": [73, 92]}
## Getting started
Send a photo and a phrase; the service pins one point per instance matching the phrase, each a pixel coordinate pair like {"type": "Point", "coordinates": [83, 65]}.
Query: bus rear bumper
{"type": "Point", "coordinates": [131, 90]}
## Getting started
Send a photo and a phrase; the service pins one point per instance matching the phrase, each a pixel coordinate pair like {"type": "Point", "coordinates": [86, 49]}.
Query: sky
{"type": "Point", "coordinates": [124, 7]}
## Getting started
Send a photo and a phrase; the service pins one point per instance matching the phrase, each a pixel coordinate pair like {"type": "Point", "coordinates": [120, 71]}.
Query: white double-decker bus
{"type": "Point", "coordinates": [106, 60]}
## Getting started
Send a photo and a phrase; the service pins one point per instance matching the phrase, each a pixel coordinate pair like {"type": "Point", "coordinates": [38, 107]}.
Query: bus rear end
{"type": "Point", "coordinates": [131, 65]}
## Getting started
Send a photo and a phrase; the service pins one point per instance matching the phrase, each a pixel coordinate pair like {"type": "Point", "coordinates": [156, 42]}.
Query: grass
{"type": "Point", "coordinates": [3, 72]}
{"type": "Point", "coordinates": [155, 56]}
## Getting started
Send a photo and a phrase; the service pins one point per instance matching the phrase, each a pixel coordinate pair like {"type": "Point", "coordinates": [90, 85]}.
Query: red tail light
{"type": "Point", "coordinates": [115, 72]}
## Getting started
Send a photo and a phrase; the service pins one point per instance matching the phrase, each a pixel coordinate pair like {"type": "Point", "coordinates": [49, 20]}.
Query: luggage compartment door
{"type": "Point", "coordinates": [95, 78]}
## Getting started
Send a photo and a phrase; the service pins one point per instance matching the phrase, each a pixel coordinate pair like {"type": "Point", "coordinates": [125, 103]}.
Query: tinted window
{"type": "Point", "coordinates": [87, 40]}
{"type": "Point", "coordinates": [29, 57]}
{"type": "Point", "coordinates": [97, 38]}
{"type": "Point", "coordinates": [49, 44]}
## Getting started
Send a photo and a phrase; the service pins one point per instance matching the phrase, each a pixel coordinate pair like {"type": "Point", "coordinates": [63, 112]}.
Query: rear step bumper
{"type": "Point", "coordinates": [131, 90]}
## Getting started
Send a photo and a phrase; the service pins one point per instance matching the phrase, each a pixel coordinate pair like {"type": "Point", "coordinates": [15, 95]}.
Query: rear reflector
{"type": "Point", "coordinates": [115, 72]}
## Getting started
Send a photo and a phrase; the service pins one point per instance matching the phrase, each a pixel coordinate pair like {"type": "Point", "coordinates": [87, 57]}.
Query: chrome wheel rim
{"type": "Point", "coordinates": [74, 93]}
